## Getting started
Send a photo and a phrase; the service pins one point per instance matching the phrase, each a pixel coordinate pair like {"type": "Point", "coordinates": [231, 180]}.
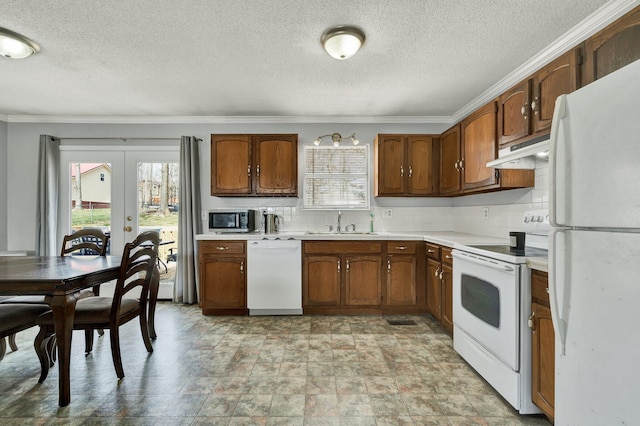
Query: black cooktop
{"type": "Point", "coordinates": [507, 250]}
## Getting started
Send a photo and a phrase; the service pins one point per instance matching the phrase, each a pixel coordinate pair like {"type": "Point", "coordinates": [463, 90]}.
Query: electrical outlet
{"type": "Point", "coordinates": [485, 212]}
{"type": "Point", "coordinates": [387, 214]}
{"type": "Point", "coordinates": [204, 215]}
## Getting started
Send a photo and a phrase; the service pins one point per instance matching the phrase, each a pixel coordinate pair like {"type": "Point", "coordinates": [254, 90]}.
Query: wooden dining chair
{"type": "Point", "coordinates": [16, 317]}
{"type": "Point", "coordinates": [136, 272]}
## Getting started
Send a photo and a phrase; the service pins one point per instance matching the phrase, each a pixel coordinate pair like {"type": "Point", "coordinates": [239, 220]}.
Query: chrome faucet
{"type": "Point", "coordinates": [339, 230]}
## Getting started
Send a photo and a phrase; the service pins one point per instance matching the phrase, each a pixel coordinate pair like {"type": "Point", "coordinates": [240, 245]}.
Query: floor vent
{"type": "Point", "coordinates": [401, 322]}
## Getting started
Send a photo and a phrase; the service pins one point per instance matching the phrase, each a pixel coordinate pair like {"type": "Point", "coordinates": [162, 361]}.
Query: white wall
{"type": "Point", "coordinates": [3, 185]}
{"type": "Point", "coordinates": [461, 214]}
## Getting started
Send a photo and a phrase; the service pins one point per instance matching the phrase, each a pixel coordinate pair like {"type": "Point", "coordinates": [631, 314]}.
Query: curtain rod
{"type": "Point", "coordinates": [122, 139]}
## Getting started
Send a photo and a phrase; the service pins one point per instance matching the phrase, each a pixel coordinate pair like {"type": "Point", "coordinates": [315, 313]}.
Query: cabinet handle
{"type": "Point", "coordinates": [242, 267]}
{"type": "Point", "coordinates": [441, 275]}
{"type": "Point", "coordinates": [258, 170]}
{"type": "Point", "coordinates": [338, 266]}
{"type": "Point", "coordinates": [437, 272]}
{"type": "Point", "coordinates": [534, 106]}
{"type": "Point", "coordinates": [401, 171]}
{"type": "Point", "coordinates": [410, 171]}
{"type": "Point", "coordinates": [523, 111]}
{"type": "Point", "coordinates": [531, 322]}
{"type": "Point", "coordinates": [389, 265]}
{"type": "Point", "coordinates": [347, 266]}
{"type": "Point", "coordinates": [401, 247]}
{"type": "Point", "coordinates": [462, 164]}
{"type": "Point", "coordinates": [221, 248]}
{"type": "Point", "coordinates": [430, 251]}
{"type": "Point", "coordinates": [456, 166]}
{"type": "Point", "coordinates": [249, 170]}
{"type": "Point", "coordinates": [448, 256]}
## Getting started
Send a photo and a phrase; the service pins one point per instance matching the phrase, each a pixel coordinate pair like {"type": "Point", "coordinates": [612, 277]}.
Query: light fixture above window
{"type": "Point", "coordinates": [16, 46]}
{"type": "Point", "coordinates": [336, 138]}
{"type": "Point", "coordinates": [342, 42]}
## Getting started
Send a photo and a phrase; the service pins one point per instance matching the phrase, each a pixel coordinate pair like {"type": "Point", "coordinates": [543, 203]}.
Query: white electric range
{"type": "Point", "coordinates": [491, 306]}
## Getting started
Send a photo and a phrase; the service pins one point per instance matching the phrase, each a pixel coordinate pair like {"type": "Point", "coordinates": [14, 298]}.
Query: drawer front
{"type": "Point", "coordinates": [342, 247]}
{"type": "Point", "coordinates": [401, 247]}
{"type": "Point", "coordinates": [223, 248]}
{"type": "Point", "coordinates": [433, 251]}
{"type": "Point", "coordinates": [447, 257]}
{"type": "Point", "coordinates": [539, 287]}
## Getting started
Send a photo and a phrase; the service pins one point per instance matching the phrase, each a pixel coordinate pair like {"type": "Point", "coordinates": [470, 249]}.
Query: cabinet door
{"type": "Point", "coordinates": [223, 283]}
{"type": "Point", "coordinates": [230, 164]}
{"type": "Point", "coordinates": [514, 113]}
{"type": "Point", "coordinates": [447, 297]}
{"type": "Point", "coordinates": [420, 161]}
{"type": "Point", "coordinates": [363, 284]}
{"type": "Point", "coordinates": [543, 359]}
{"type": "Point", "coordinates": [612, 48]}
{"type": "Point", "coordinates": [391, 165]}
{"type": "Point", "coordinates": [434, 289]}
{"type": "Point", "coordinates": [401, 280]}
{"type": "Point", "coordinates": [450, 155]}
{"type": "Point", "coordinates": [558, 78]}
{"type": "Point", "coordinates": [321, 282]}
{"type": "Point", "coordinates": [479, 146]}
{"type": "Point", "coordinates": [276, 164]}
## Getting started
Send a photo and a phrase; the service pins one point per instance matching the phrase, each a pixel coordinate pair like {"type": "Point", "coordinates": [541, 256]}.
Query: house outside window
{"type": "Point", "coordinates": [336, 178]}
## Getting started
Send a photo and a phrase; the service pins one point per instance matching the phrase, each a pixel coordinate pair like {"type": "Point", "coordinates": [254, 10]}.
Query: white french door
{"type": "Point", "coordinates": [118, 188]}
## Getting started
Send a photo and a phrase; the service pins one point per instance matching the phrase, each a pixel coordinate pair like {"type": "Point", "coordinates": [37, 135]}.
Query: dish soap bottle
{"type": "Point", "coordinates": [371, 222]}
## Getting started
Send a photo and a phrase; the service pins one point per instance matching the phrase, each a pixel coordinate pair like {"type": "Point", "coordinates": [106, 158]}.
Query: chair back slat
{"type": "Point", "coordinates": [89, 241]}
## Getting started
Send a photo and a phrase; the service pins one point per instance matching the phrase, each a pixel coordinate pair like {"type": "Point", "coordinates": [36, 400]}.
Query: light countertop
{"type": "Point", "coordinates": [438, 237]}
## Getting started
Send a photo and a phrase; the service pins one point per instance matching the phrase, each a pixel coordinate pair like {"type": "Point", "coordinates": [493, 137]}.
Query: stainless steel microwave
{"type": "Point", "coordinates": [243, 220]}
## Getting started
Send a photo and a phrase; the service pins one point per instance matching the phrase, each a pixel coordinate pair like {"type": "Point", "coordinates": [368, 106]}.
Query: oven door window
{"type": "Point", "coordinates": [481, 298]}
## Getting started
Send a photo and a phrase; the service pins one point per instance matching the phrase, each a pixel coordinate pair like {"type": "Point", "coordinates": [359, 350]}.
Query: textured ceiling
{"type": "Point", "coordinates": [263, 58]}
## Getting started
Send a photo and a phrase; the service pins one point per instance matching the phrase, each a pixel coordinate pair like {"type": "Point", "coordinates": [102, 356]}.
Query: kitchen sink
{"type": "Point", "coordinates": [338, 233]}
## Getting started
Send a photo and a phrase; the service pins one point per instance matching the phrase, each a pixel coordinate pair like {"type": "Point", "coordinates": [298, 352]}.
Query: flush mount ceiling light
{"type": "Point", "coordinates": [336, 138]}
{"type": "Point", "coordinates": [342, 42]}
{"type": "Point", "coordinates": [16, 46]}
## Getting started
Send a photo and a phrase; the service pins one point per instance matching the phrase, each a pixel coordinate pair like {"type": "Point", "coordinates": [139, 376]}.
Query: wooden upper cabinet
{"type": "Point", "coordinates": [254, 165]}
{"type": "Point", "coordinates": [557, 78]}
{"type": "Point", "coordinates": [514, 112]}
{"type": "Point", "coordinates": [276, 164]}
{"type": "Point", "coordinates": [230, 164]}
{"type": "Point", "coordinates": [479, 147]}
{"type": "Point", "coordinates": [613, 47]}
{"type": "Point", "coordinates": [405, 165]}
{"type": "Point", "coordinates": [450, 157]}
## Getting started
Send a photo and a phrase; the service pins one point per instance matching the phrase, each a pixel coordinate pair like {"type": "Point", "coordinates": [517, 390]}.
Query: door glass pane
{"type": "Point", "coordinates": [158, 206]}
{"type": "Point", "coordinates": [481, 298]}
{"type": "Point", "coordinates": [91, 196]}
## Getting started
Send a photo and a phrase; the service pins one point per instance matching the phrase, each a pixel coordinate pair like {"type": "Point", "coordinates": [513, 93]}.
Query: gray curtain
{"type": "Point", "coordinates": [47, 193]}
{"type": "Point", "coordinates": [186, 289]}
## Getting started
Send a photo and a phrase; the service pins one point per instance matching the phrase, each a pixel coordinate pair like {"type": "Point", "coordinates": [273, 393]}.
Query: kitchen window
{"type": "Point", "coordinates": [336, 177]}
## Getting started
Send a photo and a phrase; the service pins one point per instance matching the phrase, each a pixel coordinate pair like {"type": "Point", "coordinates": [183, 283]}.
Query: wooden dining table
{"type": "Point", "coordinates": [60, 279]}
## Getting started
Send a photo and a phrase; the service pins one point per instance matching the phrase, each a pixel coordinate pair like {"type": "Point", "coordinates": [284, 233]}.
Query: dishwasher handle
{"type": "Point", "coordinates": [489, 263]}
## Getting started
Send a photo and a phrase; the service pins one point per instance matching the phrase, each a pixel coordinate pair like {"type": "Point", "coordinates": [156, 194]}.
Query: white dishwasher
{"type": "Point", "coordinates": [274, 277]}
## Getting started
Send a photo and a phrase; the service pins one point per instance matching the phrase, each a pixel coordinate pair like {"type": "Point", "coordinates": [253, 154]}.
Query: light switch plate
{"type": "Point", "coordinates": [485, 212]}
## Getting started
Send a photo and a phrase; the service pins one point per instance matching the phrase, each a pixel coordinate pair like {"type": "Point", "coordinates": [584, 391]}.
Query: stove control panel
{"type": "Point", "coordinates": [536, 222]}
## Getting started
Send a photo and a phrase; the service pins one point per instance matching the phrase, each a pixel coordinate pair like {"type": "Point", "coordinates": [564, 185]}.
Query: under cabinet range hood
{"type": "Point", "coordinates": [523, 155]}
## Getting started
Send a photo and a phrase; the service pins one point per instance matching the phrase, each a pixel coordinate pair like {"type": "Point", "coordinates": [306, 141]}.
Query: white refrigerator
{"type": "Point", "coordinates": [594, 251]}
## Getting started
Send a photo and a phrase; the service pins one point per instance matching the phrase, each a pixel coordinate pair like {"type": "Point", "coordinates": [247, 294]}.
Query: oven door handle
{"type": "Point", "coordinates": [484, 262]}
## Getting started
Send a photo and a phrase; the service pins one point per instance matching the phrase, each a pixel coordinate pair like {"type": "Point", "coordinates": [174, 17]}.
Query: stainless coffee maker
{"type": "Point", "coordinates": [271, 223]}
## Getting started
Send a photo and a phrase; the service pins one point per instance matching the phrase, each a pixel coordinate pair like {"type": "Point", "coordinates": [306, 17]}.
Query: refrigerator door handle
{"type": "Point", "coordinates": [558, 322]}
{"type": "Point", "coordinates": [558, 114]}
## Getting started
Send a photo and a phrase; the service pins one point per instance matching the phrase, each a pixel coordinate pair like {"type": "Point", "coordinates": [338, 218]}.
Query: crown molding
{"type": "Point", "coordinates": [226, 119]}
{"type": "Point", "coordinates": [590, 25]}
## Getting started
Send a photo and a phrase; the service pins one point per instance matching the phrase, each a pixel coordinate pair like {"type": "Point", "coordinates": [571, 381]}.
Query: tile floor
{"type": "Point", "coordinates": [311, 370]}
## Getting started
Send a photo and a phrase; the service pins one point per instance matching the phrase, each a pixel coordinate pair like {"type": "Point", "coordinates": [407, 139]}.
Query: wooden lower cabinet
{"type": "Point", "coordinates": [223, 279]}
{"type": "Point", "coordinates": [542, 345]}
{"type": "Point", "coordinates": [361, 277]}
{"type": "Point", "coordinates": [439, 280]}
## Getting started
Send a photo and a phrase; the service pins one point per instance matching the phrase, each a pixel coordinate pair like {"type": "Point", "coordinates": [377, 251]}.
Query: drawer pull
{"type": "Point", "coordinates": [401, 247]}
{"type": "Point", "coordinates": [430, 251]}
{"type": "Point", "coordinates": [448, 256]}
{"type": "Point", "coordinates": [222, 248]}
